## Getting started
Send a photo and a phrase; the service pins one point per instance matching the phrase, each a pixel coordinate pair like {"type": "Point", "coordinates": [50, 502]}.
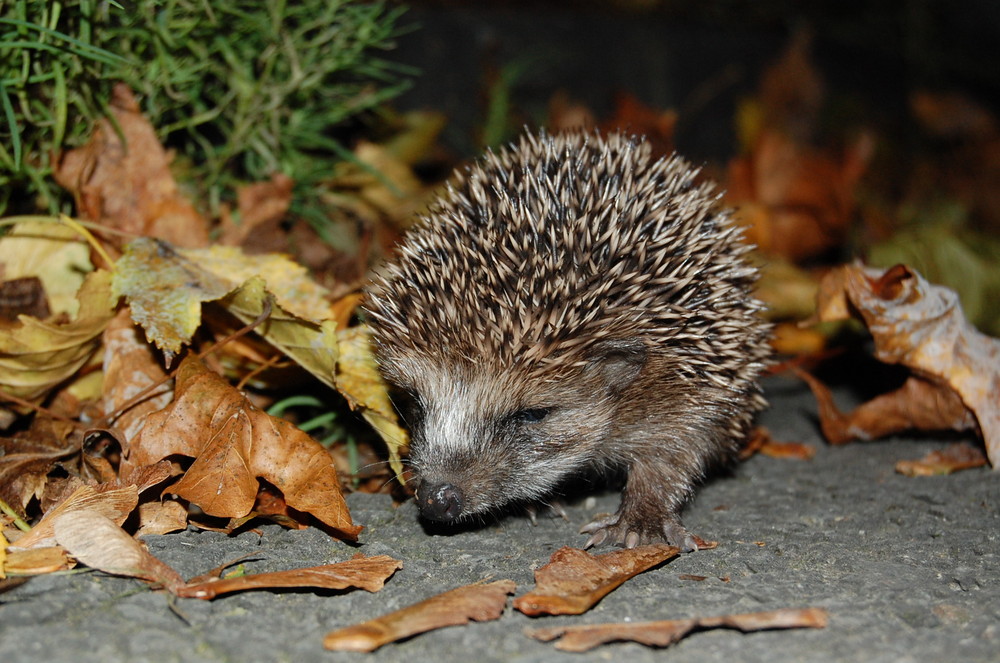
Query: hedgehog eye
{"type": "Point", "coordinates": [531, 415]}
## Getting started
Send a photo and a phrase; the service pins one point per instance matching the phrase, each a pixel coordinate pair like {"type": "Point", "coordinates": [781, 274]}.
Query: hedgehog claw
{"type": "Point", "coordinates": [596, 539]}
{"type": "Point", "coordinates": [619, 531]}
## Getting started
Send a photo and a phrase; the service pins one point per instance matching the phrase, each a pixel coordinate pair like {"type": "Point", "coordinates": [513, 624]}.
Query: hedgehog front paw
{"type": "Point", "coordinates": [626, 532]}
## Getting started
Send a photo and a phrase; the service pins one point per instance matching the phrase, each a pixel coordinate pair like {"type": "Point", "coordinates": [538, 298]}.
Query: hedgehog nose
{"type": "Point", "coordinates": [442, 502]}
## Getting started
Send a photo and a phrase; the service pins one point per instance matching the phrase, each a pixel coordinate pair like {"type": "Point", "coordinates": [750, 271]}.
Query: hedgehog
{"type": "Point", "coordinates": [572, 307]}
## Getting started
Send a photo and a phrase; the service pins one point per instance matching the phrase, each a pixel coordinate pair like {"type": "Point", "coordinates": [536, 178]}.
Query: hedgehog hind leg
{"type": "Point", "coordinates": [649, 511]}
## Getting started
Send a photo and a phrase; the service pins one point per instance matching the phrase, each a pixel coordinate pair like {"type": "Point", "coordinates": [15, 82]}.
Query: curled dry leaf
{"type": "Point", "coordinates": [41, 354]}
{"type": "Point", "coordinates": [479, 602]}
{"type": "Point", "coordinates": [368, 573]}
{"type": "Point", "coordinates": [954, 457]}
{"type": "Point", "coordinates": [233, 444]}
{"type": "Point", "coordinates": [667, 632]}
{"type": "Point", "coordinates": [574, 580]}
{"type": "Point", "coordinates": [921, 326]}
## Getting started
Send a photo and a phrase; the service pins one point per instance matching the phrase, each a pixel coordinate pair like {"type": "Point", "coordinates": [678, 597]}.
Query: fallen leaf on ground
{"type": "Point", "coordinates": [921, 326]}
{"type": "Point", "coordinates": [954, 457]}
{"type": "Point", "coordinates": [131, 366]}
{"type": "Point", "coordinates": [479, 602]}
{"type": "Point", "coordinates": [574, 580]}
{"type": "Point", "coordinates": [37, 561]}
{"type": "Point", "coordinates": [667, 632]}
{"type": "Point", "coordinates": [233, 444]}
{"type": "Point", "coordinates": [161, 518]}
{"type": "Point", "coordinates": [26, 459]}
{"type": "Point", "coordinates": [114, 505]}
{"type": "Point", "coordinates": [368, 573]}
{"type": "Point", "coordinates": [761, 442]}
{"type": "Point", "coordinates": [95, 540]}
{"type": "Point", "coordinates": [122, 178]}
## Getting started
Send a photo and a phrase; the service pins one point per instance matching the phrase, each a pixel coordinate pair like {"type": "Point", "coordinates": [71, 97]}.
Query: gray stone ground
{"type": "Point", "coordinates": [909, 570]}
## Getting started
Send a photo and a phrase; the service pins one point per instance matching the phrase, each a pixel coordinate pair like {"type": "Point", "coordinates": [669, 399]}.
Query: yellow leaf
{"type": "Point", "coordinates": [360, 382]}
{"type": "Point", "coordinates": [38, 355]}
{"type": "Point", "coordinates": [313, 345]}
{"type": "Point", "coordinates": [53, 252]}
{"type": "Point", "coordinates": [165, 291]}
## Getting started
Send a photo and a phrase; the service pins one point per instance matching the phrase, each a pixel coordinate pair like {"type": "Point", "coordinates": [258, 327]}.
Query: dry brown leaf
{"type": "Point", "coordinates": [161, 518]}
{"type": "Point", "coordinates": [368, 573]}
{"type": "Point", "coordinates": [667, 632]}
{"type": "Point", "coordinates": [954, 457]}
{"type": "Point", "coordinates": [95, 540]}
{"type": "Point", "coordinates": [761, 442]}
{"type": "Point", "coordinates": [27, 458]}
{"type": "Point", "coordinates": [128, 186]}
{"type": "Point", "coordinates": [36, 561]}
{"type": "Point", "coordinates": [233, 444]}
{"type": "Point", "coordinates": [258, 204]}
{"type": "Point", "coordinates": [479, 602]}
{"type": "Point", "coordinates": [795, 201]}
{"type": "Point", "coordinates": [574, 580]}
{"type": "Point", "coordinates": [921, 326]}
{"type": "Point", "coordinates": [130, 367]}
{"type": "Point", "coordinates": [113, 504]}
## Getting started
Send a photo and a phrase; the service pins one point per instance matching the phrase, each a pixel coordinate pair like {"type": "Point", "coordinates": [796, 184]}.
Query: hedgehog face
{"type": "Point", "coordinates": [481, 439]}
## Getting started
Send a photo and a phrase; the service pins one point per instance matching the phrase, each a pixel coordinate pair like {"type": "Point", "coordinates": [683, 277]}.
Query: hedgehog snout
{"type": "Point", "coordinates": [442, 502]}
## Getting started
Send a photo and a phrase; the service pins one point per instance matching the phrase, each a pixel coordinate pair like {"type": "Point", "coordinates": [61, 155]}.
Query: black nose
{"type": "Point", "coordinates": [442, 502]}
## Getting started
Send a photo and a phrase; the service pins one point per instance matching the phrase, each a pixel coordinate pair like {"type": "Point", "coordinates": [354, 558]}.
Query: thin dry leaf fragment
{"type": "Point", "coordinates": [954, 457]}
{"type": "Point", "coordinates": [368, 573]}
{"type": "Point", "coordinates": [574, 580]}
{"type": "Point", "coordinates": [113, 504]}
{"type": "Point", "coordinates": [479, 602]}
{"type": "Point", "coordinates": [233, 444]}
{"type": "Point", "coordinates": [128, 185]}
{"type": "Point", "coordinates": [921, 326]}
{"type": "Point", "coordinates": [667, 632]}
{"type": "Point", "coordinates": [101, 544]}
{"type": "Point", "coordinates": [36, 561]}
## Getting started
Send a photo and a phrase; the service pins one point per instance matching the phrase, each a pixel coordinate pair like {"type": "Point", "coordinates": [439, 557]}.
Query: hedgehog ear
{"type": "Point", "coordinates": [617, 361]}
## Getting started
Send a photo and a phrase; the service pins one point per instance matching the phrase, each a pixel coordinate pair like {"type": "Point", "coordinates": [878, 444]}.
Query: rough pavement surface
{"type": "Point", "coordinates": [909, 570]}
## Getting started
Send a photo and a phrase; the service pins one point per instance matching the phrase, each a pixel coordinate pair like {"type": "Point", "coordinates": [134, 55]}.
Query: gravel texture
{"type": "Point", "coordinates": [909, 570]}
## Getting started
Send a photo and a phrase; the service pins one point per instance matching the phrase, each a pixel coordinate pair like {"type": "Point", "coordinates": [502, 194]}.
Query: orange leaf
{"type": "Point", "coordinates": [574, 580]}
{"type": "Point", "coordinates": [368, 573]}
{"type": "Point", "coordinates": [452, 608]}
{"type": "Point", "coordinates": [921, 326]}
{"type": "Point", "coordinates": [234, 444]}
{"type": "Point", "coordinates": [667, 632]}
{"type": "Point", "coordinates": [954, 457]}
